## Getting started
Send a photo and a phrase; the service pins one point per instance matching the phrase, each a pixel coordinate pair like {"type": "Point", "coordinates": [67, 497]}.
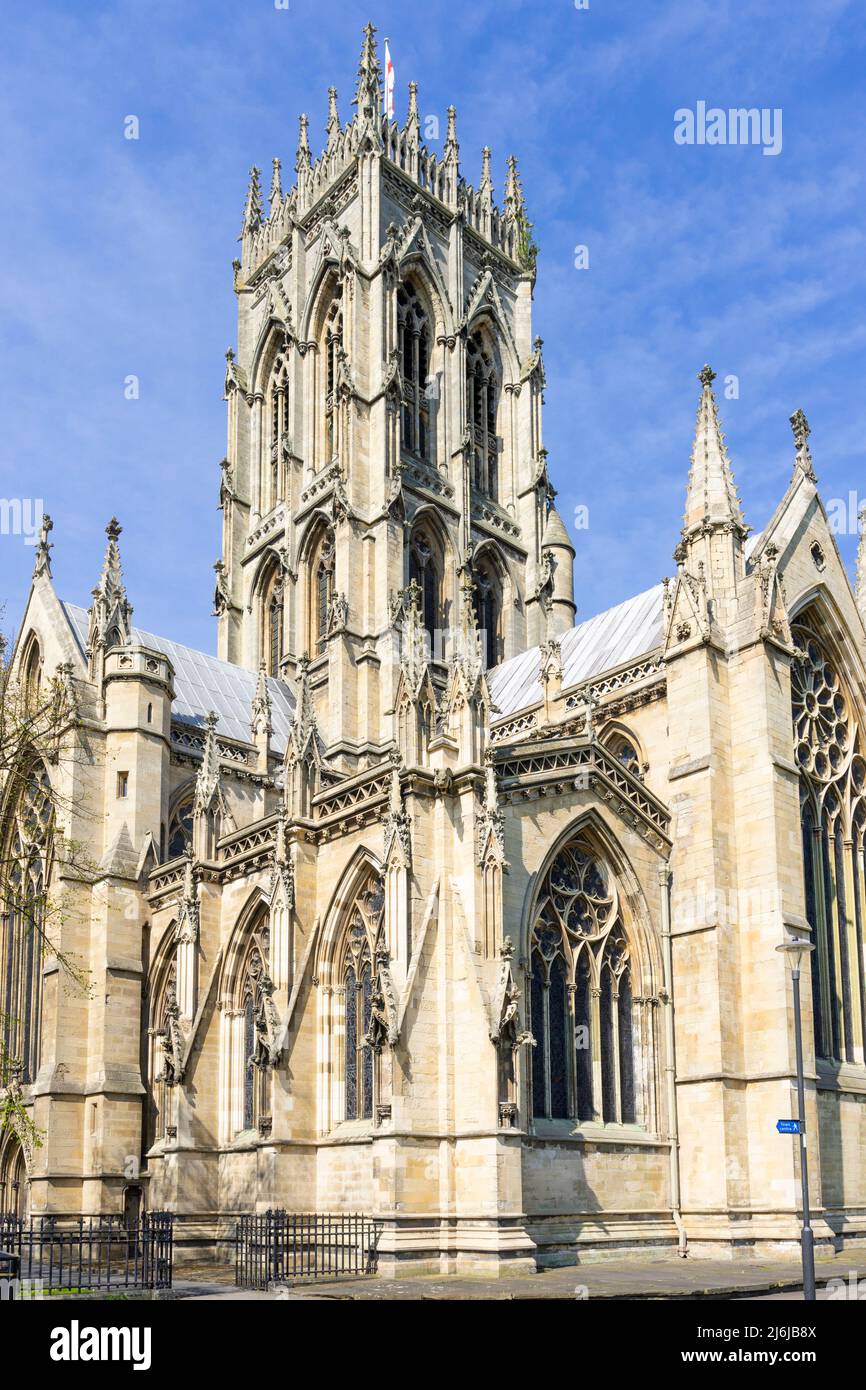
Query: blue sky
{"type": "Point", "coordinates": [117, 256]}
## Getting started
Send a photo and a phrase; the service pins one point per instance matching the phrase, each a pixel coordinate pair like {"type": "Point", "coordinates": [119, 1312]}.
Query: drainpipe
{"type": "Point", "coordinates": [670, 1057]}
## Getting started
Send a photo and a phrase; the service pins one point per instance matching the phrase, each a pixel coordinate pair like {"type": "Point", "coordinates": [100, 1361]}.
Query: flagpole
{"type": "Point", "coordinates": [389, 81]}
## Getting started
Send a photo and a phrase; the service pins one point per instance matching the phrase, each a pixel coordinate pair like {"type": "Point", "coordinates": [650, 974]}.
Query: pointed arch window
{"type": "Point", "coordinates": [321, 590]}
{"type": "Point", "coordinates": [832, 766]}
{"type": "Point", "coordinates": [275, 630]}
{"type": "Point", "coordinates": [363, 936]}
{"type": "Point", "coordinates": [180, 827]}
{"type": "Point", "coordinates": [278, 411]}
{"type": "Point", "coordinates": [413, 337]}
{"type": "Point", "coordinates": [482, 404]}
{"type": "Point", "coordinates": [273, 622]}
{"type": "Point", "coordinates": [14, 1182]}
{"type": "Point", "coordinates": [581, 1003]}
{"type": "Point", "coordinates": [333, 350]}
{"type": "Point", "coordinates": [28, 848]}
{"type": "Point", "coordinates": [626, 753]}
{"type": "Point", "coordinates": [256, 1020]}
{"type": "Point", "coordinates": [425, 571]}
{"type": "Point", "coordinates": [488, 614]}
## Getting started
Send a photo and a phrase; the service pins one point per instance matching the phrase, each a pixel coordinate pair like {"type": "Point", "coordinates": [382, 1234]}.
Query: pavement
{"type": "Point", "coordinates": [663, 1277]}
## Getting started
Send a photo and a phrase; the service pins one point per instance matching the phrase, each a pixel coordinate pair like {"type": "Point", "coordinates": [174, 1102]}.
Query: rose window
{"type": "Point", "coordinates": [821, 727]}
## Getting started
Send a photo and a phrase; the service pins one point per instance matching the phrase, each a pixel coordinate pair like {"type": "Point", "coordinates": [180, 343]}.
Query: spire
{"type": "Point", "coordinates": [260, 709]}
{"type": "Point", "coordinates": [711, 497]}
{"type": "Point", "coordinates": [42, 563]}
{"type": "Point", "coordinates": [253, 205]}
{"type": "Point", "coordinates": [276, 197]}
{"type": "Point", "coordinates": [860, 585]}
{"type": "Point", "coordinates": [368, 94]}
{"type": "Point", "coordinates": [303, 159]}
{"type": "Point", "coordinates": [303, 725]}
{"type": "Point", "coordinates": [451, 160]}
{"type": "Point", "coordinates": [485, 188]}
{"type": "Point", "coordinates": [333, 126]}
{"type": "Point", "coordinates": [513, 191]}
{"type": "Point", "coordinates": [413, 119]}
{"type": "Point", "coordinates": [803, 457]}
{"type": "Point", "coordinates": [209, 773]}
{"type": "Point", "coordinates": [302, 760]}
{"type": "Point", "coordinates": [111, 613]}
{"type": "Point", "coordinates": [452, 148]}
{"type": "Point", "coordinates": [111, 579]}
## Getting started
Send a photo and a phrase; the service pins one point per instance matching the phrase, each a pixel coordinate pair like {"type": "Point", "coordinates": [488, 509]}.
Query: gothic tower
{"type": "Point", "coordinates": [384, 422]}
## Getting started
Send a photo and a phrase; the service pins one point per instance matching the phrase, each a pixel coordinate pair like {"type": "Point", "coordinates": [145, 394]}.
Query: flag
{"type": "Point", "coordinates": [389, 84]}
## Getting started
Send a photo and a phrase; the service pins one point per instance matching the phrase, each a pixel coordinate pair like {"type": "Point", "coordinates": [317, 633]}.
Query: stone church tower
{"type": "Point", "coordinates": [384, 422]}
{"type": "Point", "coordinates": [420, 900]}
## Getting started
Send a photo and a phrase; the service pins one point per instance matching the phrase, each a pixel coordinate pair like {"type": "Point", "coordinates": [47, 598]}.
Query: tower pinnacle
{"type": "Point", "coordinates": [333, 126]}
{"type": "Point", "coordinates": [276, 197]}
{"type": "Point", "coordinates": [304, 158]}
{"type": "Point", "coordinates": [111, 613]}
{"type": "Point", "coordinates": [368, 94]}
{"type": "Point", "coordinates": [803, 458]}
{"type": "Point", "coordinates": [711, 496]}
{"type": "Point", "coordinates": [253, 204]}
{"type": "Point", "coordinates": [513, 190]}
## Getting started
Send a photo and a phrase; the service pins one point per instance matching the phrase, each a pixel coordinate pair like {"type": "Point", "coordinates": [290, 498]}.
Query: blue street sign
{"type": "Point", "coordinates": [788, 1126]}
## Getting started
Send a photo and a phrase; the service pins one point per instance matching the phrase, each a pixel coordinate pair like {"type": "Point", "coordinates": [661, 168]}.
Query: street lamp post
{"type": "Point", "coordinates": [796, 948]}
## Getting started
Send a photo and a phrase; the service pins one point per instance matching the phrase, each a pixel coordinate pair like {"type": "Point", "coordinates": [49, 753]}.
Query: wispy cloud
{"type": "Point", "coordinates": [117, 255]}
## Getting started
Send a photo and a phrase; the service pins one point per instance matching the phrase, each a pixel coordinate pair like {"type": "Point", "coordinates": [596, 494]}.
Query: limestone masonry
{"type": "Point", "coordinates": [419, 900]}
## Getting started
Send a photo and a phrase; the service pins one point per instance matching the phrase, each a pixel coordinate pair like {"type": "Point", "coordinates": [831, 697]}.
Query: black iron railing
{"type": "Point", "coordinates": [283, 1247]}
{"type": "Point", "coordinates": [65, 1253]}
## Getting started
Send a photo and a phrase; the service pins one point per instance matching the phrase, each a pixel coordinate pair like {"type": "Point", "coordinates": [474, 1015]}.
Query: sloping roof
{"type": "Point", "coordinates": [203, 683]}
{"type": "Point", "coordinates": [610, 639]}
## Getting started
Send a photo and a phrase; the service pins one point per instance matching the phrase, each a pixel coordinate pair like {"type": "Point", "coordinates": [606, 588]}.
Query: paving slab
{"type": "Point", "coordinates": [667, 1277]}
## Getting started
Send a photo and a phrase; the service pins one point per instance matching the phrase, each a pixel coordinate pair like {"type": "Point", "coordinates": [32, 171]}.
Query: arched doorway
{"type": "Point", "coordinates": [14, 1180]}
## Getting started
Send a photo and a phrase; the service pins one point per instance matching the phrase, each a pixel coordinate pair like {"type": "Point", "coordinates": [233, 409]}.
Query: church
{"type": "Point", "coordinates": [428, 897]}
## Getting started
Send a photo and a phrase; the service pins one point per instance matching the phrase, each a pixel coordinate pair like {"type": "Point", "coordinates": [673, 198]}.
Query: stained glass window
{"type": "Point", "coordinates": [180, 828]}
{"type": "Point", "coordinates": [536, 1006]}
{"type": "Point", "coordinates": [364, 932]}
{"type": "Point", "coordinates": [351, 1044]}
{"type": "Point", "coordinates": [626, 753]}
{"type": "Point", "coordinates": [828, 751]}
{"type": "Point", "coordinates": [24, 904]}
{"type": "Point", "coordinates": [584, 1060]}
{"type": "Point", "coordinates": [608, 1059]}
{"type": "Point", "coordinates": [583, 1037]}
{"type": "Point", "coordinates": [625, 1016]}
{"type": "Point", "coordinates": [249, 1066]}
{"type": "Point", "coordinates": [275, 624]}
{"type": "Point", "coordinates": [558, 1024]}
